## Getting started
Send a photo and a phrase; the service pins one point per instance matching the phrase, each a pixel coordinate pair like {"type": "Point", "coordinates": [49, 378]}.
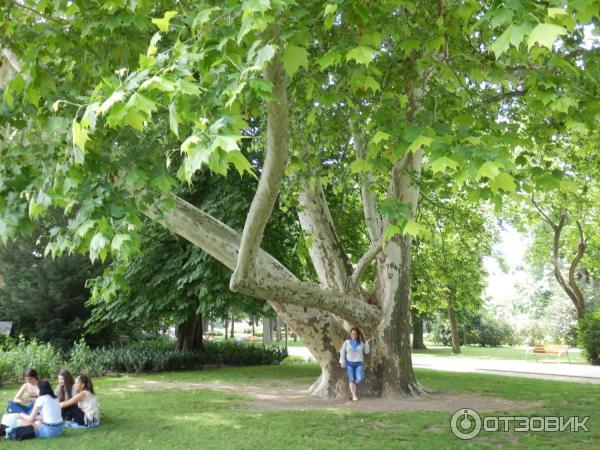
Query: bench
{"type": "Point", "coordinates": [558, 350]}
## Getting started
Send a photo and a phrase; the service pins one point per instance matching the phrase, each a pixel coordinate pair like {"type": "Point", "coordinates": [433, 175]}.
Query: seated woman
{"type": "Point", "coordinates": [27, 395]}
{"type": "Point", "coordinates": [49, 423]}
{"type": "Point", "coordinates": [66, 388]}
{"type": "Point", "coordinates": [83, 407]}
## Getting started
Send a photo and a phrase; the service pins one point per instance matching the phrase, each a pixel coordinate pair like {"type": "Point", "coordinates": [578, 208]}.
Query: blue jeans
{"type": "Point", "coordinates": [18, 408]}
{"type": "Point", "coordinates": [355, 372]}
{"type": "Point", "coordinates": [48, 431]}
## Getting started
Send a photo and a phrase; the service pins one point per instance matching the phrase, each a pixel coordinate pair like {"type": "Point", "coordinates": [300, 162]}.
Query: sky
{"type": "Point", "coordinates": [501, 286]}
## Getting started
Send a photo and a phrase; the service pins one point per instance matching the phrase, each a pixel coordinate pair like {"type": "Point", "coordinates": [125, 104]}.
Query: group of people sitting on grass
{"type": "Point", "coordinates": [72, 404]}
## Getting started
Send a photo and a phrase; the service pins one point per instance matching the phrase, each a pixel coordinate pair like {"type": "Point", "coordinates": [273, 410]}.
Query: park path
{"type": "Point", "coordinates": [543, 370]}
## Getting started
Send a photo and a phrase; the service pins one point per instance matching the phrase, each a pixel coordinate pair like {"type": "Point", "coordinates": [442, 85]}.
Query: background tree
{"type": "Point", "coordinates": [45, 298]}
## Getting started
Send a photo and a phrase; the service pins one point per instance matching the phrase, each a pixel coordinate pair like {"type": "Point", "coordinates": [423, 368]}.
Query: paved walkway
{"type": "Point", "coordinates": [544, 370]}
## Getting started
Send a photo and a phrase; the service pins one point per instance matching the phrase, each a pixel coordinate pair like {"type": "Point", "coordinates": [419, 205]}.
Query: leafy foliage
{"type": "Point", "coordinates": [589, 337]}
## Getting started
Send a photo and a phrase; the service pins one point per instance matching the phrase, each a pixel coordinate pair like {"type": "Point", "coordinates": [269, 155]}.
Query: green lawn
{"type": "Point", "coordinates": [474, 351]}
{"type": "Point", "coordinates": [194, 419]}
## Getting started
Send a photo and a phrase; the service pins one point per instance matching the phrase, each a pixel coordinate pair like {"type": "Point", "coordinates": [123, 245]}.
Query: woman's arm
{"type": "Point", "coordinates": [31, 417]}
{"type": "Point", "coordinates": [72, 400]}
{"type": "Point", "coordinates": [343, 356]}
{"type": "Point", "coordinates": [367, 347]}
{"type": "Point", "coordinates": [17, 398]}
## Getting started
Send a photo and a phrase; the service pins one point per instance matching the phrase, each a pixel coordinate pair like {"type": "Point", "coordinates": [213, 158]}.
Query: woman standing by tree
{"type": "Point", "coordinates": [352, 359]}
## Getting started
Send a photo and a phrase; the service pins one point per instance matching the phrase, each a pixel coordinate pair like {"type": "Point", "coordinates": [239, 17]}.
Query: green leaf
{"type": "Point", "coordinates": [414, 229]}
{"type": "Point", "coordinates": [80, 135]}
{"type": "Point", "coordinates": [360, 165]}
{"type": "Point", "coordinates": [443, 164]}
{"type": "Point", "coordinates": [159, 84]}
{"type": "Point", "coordinates": [163, 24]}
{"type": "Point", "coordinates": [264, 55]}
{"type": "Point", "coordinates": [228, 143]}
{"type": "Point", "coordinates": [240, 163]}
{"type": "Point", "coordinates": [116, 97]}
{"type": "Point", "coordinates": [513, 35]}
{"type": "Point", "coordinates": [163, 183]}
{"type": "Point", "coordinates": [556, 12]}
{"type": "Point", "coordinates": [503, 181]}
{"type": "Point", "coordinates": [489, 169]}
{"type": "Point", "coordinates": [293, 58]}
{"type": "Point", "coordinates": [545, 34]}
{"type": "Point", "coordinates": [329, 59]}
{"type": "Point", "coordinates": [379, 136]}
{"type": "Point", "coordinates": [98, 246]}
{"type": "Point", "coordinates": [391, 230]}
{"type": "Point", "coordinates": [420, 141]}
{"type": "Point", "coordinates": [361, 54]}
{"type": "Point", "coordinates": [330, 9]}
{"type": "Point", "coordinates": [173, 119]}
{"type": "Point", "coordinates": [118, 241]}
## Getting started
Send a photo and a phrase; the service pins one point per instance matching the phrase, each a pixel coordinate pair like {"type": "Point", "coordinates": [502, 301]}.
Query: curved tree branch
{"type": "Point", "coordinates": [361, 266]}
{"type": "Point", "coordinates": [272, 281]}
{"type": "Point", "coordinates": [369, 200]}
{"type": "Point", "coordinates": [270, 179]}
{"type": "Point", "coordinates": [326, 252]}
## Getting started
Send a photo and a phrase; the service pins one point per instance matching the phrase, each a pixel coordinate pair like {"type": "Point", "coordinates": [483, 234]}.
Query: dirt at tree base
{"type": "Point", "coordinates": [293, 397]}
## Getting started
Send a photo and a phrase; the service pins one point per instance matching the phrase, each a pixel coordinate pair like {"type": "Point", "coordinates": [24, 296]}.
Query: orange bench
{"type": "Point", "coordinates": [558, 350]}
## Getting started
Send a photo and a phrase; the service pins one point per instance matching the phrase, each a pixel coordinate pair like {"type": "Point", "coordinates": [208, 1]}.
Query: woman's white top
{"type": "Point", "coordinates": [349, 353]}
{"type": "Point", "coordinates": [49, 409]}
{"type": "Point", "coordinates": [90, 407]}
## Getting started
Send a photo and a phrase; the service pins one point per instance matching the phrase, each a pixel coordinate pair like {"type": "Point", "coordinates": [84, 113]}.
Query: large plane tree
{"type": "Point", "coordinates": [108, 105]}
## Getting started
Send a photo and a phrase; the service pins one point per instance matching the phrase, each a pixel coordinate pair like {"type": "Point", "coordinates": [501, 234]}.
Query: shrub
{"type": "Point", "coordinates": [589, 337]}
{"type": "Point", "coordinates": [491, 332]}
{"type": "Point", "coordinates": [25, 355]}
{"type": "Point", "coordinates": [153, 355]}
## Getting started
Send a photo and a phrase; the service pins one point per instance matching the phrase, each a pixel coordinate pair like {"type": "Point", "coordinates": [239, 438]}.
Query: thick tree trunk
{"type": "Point", "coordinates": [453, 328]}
{"type": "Point", "coordinates": [189, 334]}
{"type": "Point", "coordinates": [417, 343]}
{"type": "Point", "coordinates": [267, 331]}
{"type": "Point", "coordinates": [278, 329]}
{"type": "Point", "coordinates": [227, 326]}
{"type": "Point", "coordinates": [232, 326]}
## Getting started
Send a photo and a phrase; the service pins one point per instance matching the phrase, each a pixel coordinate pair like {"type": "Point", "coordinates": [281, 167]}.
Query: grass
{"type": "Point", "coordinates": [184, 419]}
{"type": "Point", "coordinates": [516, 353]}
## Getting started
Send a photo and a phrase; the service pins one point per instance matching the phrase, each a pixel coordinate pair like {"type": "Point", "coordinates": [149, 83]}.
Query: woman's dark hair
{"type": "Point", "coordinates": [87, 383]}
{"type": "Point", "coordinates": [31, 373]}
{"type": "Point", "coordinates": [65, 391]}
{"type": "Point", "coordinates": [358, 334]}
{"type": "Point", "coordinates": [45, 388]}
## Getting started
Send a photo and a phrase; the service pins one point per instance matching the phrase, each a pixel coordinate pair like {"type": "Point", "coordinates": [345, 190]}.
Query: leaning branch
{"type": "Point", "coordinates": [362, 264]}
{"type": "Point", "coordinates": [271, 177]}
{"type": "Point", "coordinates": [369, 200]}
{"type": "Point", "coordinates": [273, 281]}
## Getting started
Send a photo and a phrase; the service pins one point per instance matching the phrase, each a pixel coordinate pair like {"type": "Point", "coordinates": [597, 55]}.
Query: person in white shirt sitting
{"type": "Point", "coordinates": [46, 415]}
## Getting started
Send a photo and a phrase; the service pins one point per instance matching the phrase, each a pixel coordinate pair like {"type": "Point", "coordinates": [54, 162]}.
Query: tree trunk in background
{"type": "Point", "coordinates": [278, 328]}
{"type": "Point", "coordinates": [417, 322]}
{"type": "Point", "coordinates": [232, 334]}
{"type": "Point", "coordinates": [204, 324]}
{"type": "Point", "coordinates": [453, 328]}
{"type": "Point", "coordinates": [227, 326]}
{"type": "Point", "coordinates": [189, 334]}
{"type": "Point", "coordinates": [267, 331]}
